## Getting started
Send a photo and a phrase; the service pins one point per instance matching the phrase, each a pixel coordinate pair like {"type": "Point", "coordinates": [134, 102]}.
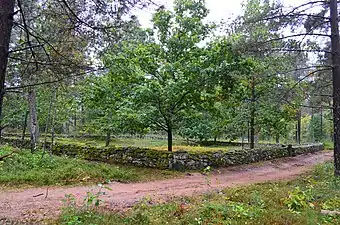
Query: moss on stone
{"type": "Point", "coordinates": [179, 160]}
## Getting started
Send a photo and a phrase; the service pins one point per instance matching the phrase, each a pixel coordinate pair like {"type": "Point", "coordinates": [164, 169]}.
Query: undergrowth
{"type": "Point", "coordinates": [294, 202]}
{"type": "Point", "coordinates": [25, 168]}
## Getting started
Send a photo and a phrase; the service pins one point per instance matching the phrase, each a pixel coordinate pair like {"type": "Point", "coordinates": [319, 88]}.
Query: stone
{"type": "Point", "coordinates": [180, 160]}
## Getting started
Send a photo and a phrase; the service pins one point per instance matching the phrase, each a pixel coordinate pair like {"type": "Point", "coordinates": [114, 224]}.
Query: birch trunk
{"type": "Point", "coordinates": [33, 119]}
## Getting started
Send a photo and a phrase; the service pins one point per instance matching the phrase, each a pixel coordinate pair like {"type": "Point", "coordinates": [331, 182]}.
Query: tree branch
{"type": "Point", "coordinates": [49, 82]}
{"type": "Point", "coordinates": [293, 50]}
{"type": "Point", "coordinates": [296, 35]}
{"type": "Point", "coordinates": [5, 156]}
{"type": "Point", "coordinates": [300, 80]}
{"type": "Point", "coordinates": [23, 49]}
{"type": "Point", "coordinates": [27, 34]}
{"type": "Point", "coordinates": [82, 21]}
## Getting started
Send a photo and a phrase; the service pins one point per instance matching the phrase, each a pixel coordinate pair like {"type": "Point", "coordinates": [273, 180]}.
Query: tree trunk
{"type": "Point", "coordinates": [75, 123]}
{"type": "Point", "coordinates": [242, 141]}
{"type": "Point", "coordinates": [252, 115]}
{"type": "Point", "coordinates": [321, 123]}
{"type": "Point", "coordinates": [108, 138]}
{"type": "Point", "coordinates": [34, 126]}
{"type": "Point", "coordinates": [2, 127]}
{"type": "Point", "coordinates": [48, 120]}
{"type": "Point", "coordinates": [6, 23]}
{"type": "Point", "coordinates": [298, 127]}
{"type": "Point", "coordinates": [109, 129]}
{"type": "Point", "coordinates": [52, 125]}
{"type": "Point", "coordinates": [67, 128]}
{"type": "Point", "coordinates": [169, 138]}
{"type": "Point", "coordinates": [82, 121]}
{"type": "Point", "coordinates": [24, 125]}
{"type": "Point", "coordinates": [312, 127]}
{"type": "Point", "coordinates": [277, 139]}
{"type": "Point", "coordinates": [336, 82]}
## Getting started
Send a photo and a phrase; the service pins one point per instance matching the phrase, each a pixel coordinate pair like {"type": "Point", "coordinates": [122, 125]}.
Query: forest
{"type": "Point", "coordinates": [89, 95]}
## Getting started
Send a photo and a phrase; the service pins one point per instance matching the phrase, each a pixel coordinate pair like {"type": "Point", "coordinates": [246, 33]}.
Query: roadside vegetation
{"type": "Point", "coordinates": [26, 169]}
{"type": "Point", "coordinates": [294, 202]}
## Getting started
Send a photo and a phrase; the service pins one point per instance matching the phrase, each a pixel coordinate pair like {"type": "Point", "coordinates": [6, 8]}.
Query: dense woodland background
{"type": "Point", "coordinates": [88, 68]}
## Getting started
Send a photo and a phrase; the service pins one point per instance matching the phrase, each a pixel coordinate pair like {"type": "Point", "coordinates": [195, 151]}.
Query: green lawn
{"type": "Point", "coordinates": [294, 202]}
{"type": "Point", "coordinates": [144, 143]}
{"type": "Point", "coordinates": [24, 168]}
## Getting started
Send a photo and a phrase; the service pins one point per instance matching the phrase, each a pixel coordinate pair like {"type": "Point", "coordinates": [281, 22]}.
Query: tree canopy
{"type": "Point", "coordinates": [89, 67]}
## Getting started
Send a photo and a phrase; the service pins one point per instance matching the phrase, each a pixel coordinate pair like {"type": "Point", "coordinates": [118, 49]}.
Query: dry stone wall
{"type": "Point", "coordinates": [179, 160]}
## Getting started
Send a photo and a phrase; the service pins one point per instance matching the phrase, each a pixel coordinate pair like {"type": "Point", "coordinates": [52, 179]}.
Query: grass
{"type": "Point", "coordinates": [197, 148]}
{"type": "Point", "coordinates": [24, 168]}
{"type": "Point", "coordinates": [294, 202]}
{"type": "Point", "coordinates": [328, 144]}
{"type": "Point", "coordinates": [144, 143]}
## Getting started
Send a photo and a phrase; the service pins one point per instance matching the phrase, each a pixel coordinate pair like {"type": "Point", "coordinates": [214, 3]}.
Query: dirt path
{"type": "Point", "coordinates": [32, 204]}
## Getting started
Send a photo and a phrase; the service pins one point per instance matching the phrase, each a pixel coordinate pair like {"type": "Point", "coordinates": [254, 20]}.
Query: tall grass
{"type": "Point", "coordinates": [24, 168]}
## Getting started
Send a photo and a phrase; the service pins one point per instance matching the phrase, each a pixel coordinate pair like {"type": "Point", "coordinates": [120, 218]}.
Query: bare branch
{"type": "Point", "coordinates": [292, 50]}
{"type": "Point", "coordinates": [27, 33]}
{"type": "Point", "coordinates": [82, 21]}
{"type": "Point", "coordinates": [296, 35]}
{"type": "Point", "coordinates": [39, 38]}
{"type": "Point", "coordinates": [50, 63]}
{"type": "Point", "coordinates": [305, 4]}
{"type": "Point", "coordinates": [24, 49]}
{"type": "Point", "coordinates": [50, 82]}
{"type": "Point", "coordinates": [284, 97]}
{"type": "Point", "coordinates": [308, 75]}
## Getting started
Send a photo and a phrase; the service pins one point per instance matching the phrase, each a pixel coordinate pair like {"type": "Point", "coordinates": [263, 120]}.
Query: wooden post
{"type": "Point", "coordinates": [290, 150]}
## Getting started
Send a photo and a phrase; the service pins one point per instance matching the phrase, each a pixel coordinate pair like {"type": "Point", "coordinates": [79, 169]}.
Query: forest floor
{"type": "Point", "coordinates": [41, 203]}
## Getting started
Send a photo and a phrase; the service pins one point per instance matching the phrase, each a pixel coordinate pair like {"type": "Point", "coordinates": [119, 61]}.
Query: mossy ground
{"type": "Point", "coordinates": [145, 143]}
{"type": "Point", "coordinates": [294, 202]}
{"type": "Point", "coordinates": [27, 169]}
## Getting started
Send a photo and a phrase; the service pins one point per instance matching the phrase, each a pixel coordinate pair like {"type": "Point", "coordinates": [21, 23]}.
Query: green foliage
{"type": "Point", "coordinates": [106, 100]}
{"type": "Point", "coordinates": [24, 168]}
{"type": "Point", "coordinates": [14, 111]}
{"type": "Point", "coordinates": [180, 76]}
{"type": "Point", "coordinates": [298, 200]}
{"type": "Point", "coordinates": [175, 74]}
{"type": "Point", "coordinates": [332, 204]}
{"type": "Point", "coordinates": [328, 144]}
{"type": "Point", "coordinates": [264, 94]}
{"type": "Point", "coordinates": [90, 202]}
{"type": "Point", "coordinates": [315, 130]}
{"type": "Point", "coordinates": [196, 126]}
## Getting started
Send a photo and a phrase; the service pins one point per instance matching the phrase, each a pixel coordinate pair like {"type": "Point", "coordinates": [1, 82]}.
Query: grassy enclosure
{"type": "Point", "coordinates": [157, 144]}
